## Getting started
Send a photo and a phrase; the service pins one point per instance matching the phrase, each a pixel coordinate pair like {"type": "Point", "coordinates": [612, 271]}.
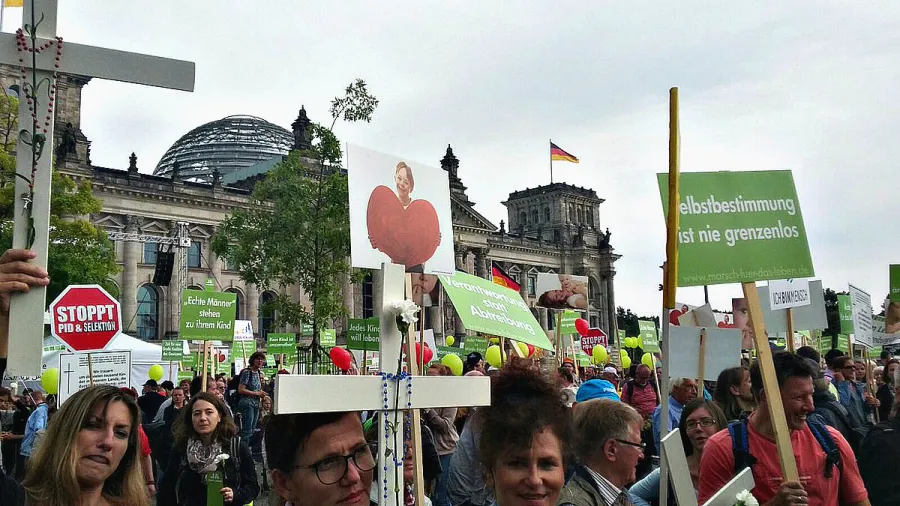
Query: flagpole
{"type": "Point", "coordinates": [551, 161]}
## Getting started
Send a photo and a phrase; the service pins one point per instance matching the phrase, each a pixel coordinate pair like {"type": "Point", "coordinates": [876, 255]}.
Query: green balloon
{"type": "Point", "coordinates": [649, 360]}
{"type": "Point", "coordinates": [450, 340]}
{"type": "Point", "coordinates": [455, 363]}
{"type": "Point", "coordinates": [156, 372]}
{"type": "Point", "coordinates": [492, 356]}
{"type": "Point", "coordinates": [50, 381]}
{"type": "Point", "coordinates": [599, 354]}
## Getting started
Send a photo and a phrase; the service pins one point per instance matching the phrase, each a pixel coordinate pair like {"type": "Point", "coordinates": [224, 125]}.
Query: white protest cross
{"type": "Point", "coordinates": [676, 462]}
{"type": "Point", "coordinates": [367, 393]}
{"type": "Point", "coordinates": [33, 51]}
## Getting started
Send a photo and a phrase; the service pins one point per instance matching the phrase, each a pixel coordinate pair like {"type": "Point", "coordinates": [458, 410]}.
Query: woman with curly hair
{"type": "Point", "coordinates": [525, 437]}
{"type": "Point", "coordinates": [206, 442]}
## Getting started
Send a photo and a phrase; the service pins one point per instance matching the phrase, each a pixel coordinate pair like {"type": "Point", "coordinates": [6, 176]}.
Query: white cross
{"type": "Point", "coordinates": [319, 394]}
{"type": "Point", "coordinates": [674, 460]}
{"type": "Point", "coordinates": [27, 310]}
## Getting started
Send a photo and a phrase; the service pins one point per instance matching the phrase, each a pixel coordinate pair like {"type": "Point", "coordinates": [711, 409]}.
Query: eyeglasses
{"type": "Point", "coordinates": [331, 470]}
{"type": "Point", "coordinates": [703, 422]}
{"type": "Point", "coordinates": [640, 445]}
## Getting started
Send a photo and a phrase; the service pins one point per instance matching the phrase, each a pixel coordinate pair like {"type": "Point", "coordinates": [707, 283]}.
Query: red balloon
{"type": "Point", "coordinates": [530, 349]}
{"type": "Point", "coordinates": [428, 353]}
{"type": "Point", "coordinates": [582, 326]}
{"type": "Point", "coordinates": [340, 358]}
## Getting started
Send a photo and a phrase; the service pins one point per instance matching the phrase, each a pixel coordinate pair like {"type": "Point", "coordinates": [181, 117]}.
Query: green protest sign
{"type": "Point", "coordinates": [278, 344]}
{"type": "Point", "coordinates": [649, 335]}
{"type": "Point", "coordinates": [895, 283]}
{"type": "Point", "coordinates": [739, 226]}
{"type": "Point", "coordinates": [243, 348]}
{"type": "Point", "coordinates": [328, 338]}
{"type": "Point", "coordinates": [363, 334]}
{"type": "Point", "coordinates": [443, 351]}
{"type": "Point", "coordinates": [621, 333]}
{"type": "Point", "coordinates": [185, 375]}
{"type": "Point", "coordinates": [567, 322]}
{"type": "Point", "coordinates": [845, 311]}
{"type": "Point", "coordinates": [484, 306]}
{"type": "Point", "coordinates": [307, 330]}
{"type": "Point", "coordinates": [475, 343]}
{"type": "Point", "coordinates": [173, 350]}
{"type": "Point", "coordinates": [207, 316]}
{"type": "Point", "coordinates": [843, 343]}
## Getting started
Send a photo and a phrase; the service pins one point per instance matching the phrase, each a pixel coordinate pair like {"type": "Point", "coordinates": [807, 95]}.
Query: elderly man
{"type": "Point", "coordinates": [681, 391]}
{"type": "Point", "coordinates": [608, 444]}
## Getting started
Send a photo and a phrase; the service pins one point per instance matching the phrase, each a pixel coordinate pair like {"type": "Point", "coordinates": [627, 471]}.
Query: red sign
{"type": "Point", "coordinates": [85, 318]}
{"type": "Point", "coordinates": [594, 337]}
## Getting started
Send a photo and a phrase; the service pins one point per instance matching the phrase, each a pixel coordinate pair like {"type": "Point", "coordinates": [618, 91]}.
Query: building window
{"type": "Point", "coordinates": [523, 219]}
{"type": "Point", "coordinates": [193, 257]}
{"type": "Point", "coordinates": [150, 250]}
{"type": "Point", "coordinates": [595, 322]}
{"type": "Point", "coordinates": [547, 214]}
{"type": "Point", "coordinates": [534, 216]}
{"type": "Point", "coordinates": [147, 313]}
{"type": "Point", "coordinates": [239, 306]}
{"type": "Point", "coordinates": [551, 320]}
{"type": "Point", "coordinates": [590, 218]}
{"type": "Point", "coordinates": [532, 282]}
{"type": "Point", "coordinates": [368, 296]}
{"type": "Point", "coordinates": [266, 314]}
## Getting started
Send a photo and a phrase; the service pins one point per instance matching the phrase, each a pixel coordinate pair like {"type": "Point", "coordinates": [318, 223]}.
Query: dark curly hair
{"type": "Point", "coordinates": [184, 424]}
{"type": "Point", "coordinates": [523, 402]}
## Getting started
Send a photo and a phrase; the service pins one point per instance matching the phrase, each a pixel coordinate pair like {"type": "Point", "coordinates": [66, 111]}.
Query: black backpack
{"type": "Point", "coordinates": [740, 446]}
{"type": "Point", "coordinates": [878, 462]}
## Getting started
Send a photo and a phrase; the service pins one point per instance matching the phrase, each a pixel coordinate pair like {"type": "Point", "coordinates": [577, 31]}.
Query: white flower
{"type": "Point", "coordinates": [407, 311]}
{"type": "Point", "coordinates": [745, 498]}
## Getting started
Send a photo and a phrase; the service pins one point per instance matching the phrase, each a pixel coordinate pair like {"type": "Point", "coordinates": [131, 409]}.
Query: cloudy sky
{"type": "Point", "coordinates": [807, 86]}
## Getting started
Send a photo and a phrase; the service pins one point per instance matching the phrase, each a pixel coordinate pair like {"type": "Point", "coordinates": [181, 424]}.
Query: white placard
{"type": "Point", "coordinates": [788, 293]}
{"type": "Point", "coordinates": [811, 317]}
{"type": "Point", "coordinates": [723, 350]}
{"type": "Point", "coordinates": [862, 317]}
{"type": "Point", "coordinates": [109, 368]}
{"type": "Point", "coordinates": [243, 330]}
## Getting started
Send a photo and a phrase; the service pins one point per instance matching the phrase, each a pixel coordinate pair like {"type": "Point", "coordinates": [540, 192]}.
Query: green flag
{"type": "Point", "coordinates": [845, 310]}
{"type": "Point", "coordinates": [649, 335]}
{"type": "Point", "coordinates": [739, 226]}
{"type": "Point", "coordinates": [487, 307]}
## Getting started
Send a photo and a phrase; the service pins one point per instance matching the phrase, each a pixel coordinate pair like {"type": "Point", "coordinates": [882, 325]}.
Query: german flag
{"type": "Point", "coordinates": [502, 278]}
{"type": "Point", "coordinates": [558, 153]}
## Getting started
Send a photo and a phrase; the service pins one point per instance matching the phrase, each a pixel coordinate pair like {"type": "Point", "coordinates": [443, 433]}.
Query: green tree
{"type": "Point", "coordinates": [80, 253]}
{"type": "Point", "coordinates": [297, 229]}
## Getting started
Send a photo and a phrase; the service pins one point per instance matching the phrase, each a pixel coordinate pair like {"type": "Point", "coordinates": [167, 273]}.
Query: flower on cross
{"type": "Point", "coordinates": [406, 314]}
{"type": "Point", "coordinates": [745, 498]}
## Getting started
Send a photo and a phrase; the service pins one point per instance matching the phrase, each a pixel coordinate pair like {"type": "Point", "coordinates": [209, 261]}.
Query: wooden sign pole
{"type": "Point", "coordinates": [560, 352]}
{"type": "Point", "coordinates": [791, 347]}
{"type": "Point", "coordinates": [701, 369]}
{"type": "Point", "coordinates": [502, 349]}
{"type": "Point", "coordinates": [770, 384]}
{"type": "Point", "coordinates": [422, 339]}
{"type": "Point", "coordinates": [670, 275]}
{"type": "Point", "coordinates": [415, 417]}
{"type": "Point", "coordinates": [870, 383]}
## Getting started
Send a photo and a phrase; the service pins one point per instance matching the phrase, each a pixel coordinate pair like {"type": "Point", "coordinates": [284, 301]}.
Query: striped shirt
{"type": "Point", "coordinates": [609, 492]}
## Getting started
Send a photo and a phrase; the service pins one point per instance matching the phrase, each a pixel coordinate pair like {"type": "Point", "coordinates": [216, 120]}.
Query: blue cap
{"type": "Point", "coordinates": [596, 389]}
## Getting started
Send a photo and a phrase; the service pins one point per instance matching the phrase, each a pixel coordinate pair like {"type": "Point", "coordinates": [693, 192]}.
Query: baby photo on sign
{"type": "Point", "coordinates": [399, 213]}
{"type": "Point", "coordinates": [562, 291]}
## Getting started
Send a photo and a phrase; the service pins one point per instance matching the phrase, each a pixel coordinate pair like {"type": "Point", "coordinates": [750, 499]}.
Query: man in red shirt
{"type": "Point", "coordinates": [795, 380]}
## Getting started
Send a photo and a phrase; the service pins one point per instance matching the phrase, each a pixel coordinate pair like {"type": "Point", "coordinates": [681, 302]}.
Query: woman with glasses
{"type": "Point", "coordinates": [208, 458]}
{"type": "Point", "coordinates": [700, 419]}
{"type": "Point", "coordinates": [319, 459]}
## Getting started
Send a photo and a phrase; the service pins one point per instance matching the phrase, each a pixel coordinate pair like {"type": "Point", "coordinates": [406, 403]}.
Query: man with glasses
{"type": "Point", "coordinates": [608, 445]}
{"type": "Point", "coordinates": [320, 459]}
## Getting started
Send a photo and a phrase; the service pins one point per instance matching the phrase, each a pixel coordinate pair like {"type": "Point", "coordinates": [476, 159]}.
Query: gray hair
{"type": "Point", "coordinates": [599, 420]}
{"type": "Point", "coordinates": [676, 383]}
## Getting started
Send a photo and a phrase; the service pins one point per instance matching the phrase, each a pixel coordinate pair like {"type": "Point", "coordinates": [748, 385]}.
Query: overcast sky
{"type": "Point", "coordinates": [807, 86]}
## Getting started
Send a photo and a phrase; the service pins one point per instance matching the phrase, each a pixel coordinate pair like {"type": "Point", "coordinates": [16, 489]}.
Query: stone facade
{"type": "Point", "coordinates": [554, 228]}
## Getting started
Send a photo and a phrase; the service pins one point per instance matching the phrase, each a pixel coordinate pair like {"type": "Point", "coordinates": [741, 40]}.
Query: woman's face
{"type": "Point", "coordinates": [267, 404]}
{"type": "Point", "coordinates": [402, 179]}
{"type": "Point", "coordinates": [178, 397]}
{"type": "Point", "coordinates": [205, 418]}
{"type": "Point", "coordinates": [101, 443]}
{"type": "Point", "coordinates": [480, 366]}
{"type": "Point", "coordinates": [700, 426]}
{"type": "Point", "coordinates": [530, 476]}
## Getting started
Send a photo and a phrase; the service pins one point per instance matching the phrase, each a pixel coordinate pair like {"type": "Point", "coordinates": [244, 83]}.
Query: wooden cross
{"type": "Point", "coordinates": [676, 463]}
{"type": "Point", "coordinates": [365, 393]}
{"type": "Point", "coordinates": [27, 309]}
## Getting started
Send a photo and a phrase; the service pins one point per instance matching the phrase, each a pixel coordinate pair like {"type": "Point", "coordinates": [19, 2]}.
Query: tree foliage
{"type": "Point", "coordinates": [628, 321]}
{"type": "Point", "coordinates": [297, 230]}
{"type": "Point", "coordinates": [80, 253]}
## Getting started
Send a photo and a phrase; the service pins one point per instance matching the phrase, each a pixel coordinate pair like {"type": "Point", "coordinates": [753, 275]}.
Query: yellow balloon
{"type": "Point", "coordinates": [495, 340]}
{"type": "Point", "coordinates": [649, 360]}
{"type": "Point", "coordinates": [640, 341]}
{"type": "Point", "coordinates": [523, 348]}
{"type": "Point", "coordinates": [492, 356]}
{"type": "Point", "coordinates": [156, 372]}
{"type": "Point", "coordinates": [625, 359]}
{"type": "Point", "coordinates": [599, 354]}
{"type": "Point", "coordinates": [455, 363]}
{"type": "Point", "coordinates": [50, 381]}
{"type": "Point", "coordinates": [450, 340]}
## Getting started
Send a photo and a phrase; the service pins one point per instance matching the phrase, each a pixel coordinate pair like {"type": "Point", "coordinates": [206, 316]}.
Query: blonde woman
{"type": "Point", "coordinates": [89, 455]}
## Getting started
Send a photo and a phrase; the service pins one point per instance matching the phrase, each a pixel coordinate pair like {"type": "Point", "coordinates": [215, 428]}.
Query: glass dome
{"type": "Point", "coordinates": [228, 144]}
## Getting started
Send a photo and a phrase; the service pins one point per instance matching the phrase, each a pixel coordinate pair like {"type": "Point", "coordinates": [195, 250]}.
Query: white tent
{"type": "Point", "coordinates": [143, 356]}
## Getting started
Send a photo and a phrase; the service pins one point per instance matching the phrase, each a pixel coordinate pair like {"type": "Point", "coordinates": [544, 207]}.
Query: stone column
{"type": "Point", "coordinates": [523, 282]}
{"type": "Point", "coordinates": [252, 294]}
{"type": "Point", "coordinates": [434, 318]}
{"type": "Point", "coordinates": [460, 251]}
{"type": "Point", "coordinates": [131, 255]}
{"type": "Point", "coordinates": [544, 316]}
{"type": "Point", "coordinates": [610, 301]}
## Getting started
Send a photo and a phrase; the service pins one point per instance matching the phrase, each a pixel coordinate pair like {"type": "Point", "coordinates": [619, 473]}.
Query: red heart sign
{"type": "Point", "coordinates": [408, 236]}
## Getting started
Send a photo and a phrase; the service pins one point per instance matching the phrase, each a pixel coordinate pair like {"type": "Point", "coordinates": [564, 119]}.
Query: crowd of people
{"type": "Point", "coordinates": [563, 437]}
